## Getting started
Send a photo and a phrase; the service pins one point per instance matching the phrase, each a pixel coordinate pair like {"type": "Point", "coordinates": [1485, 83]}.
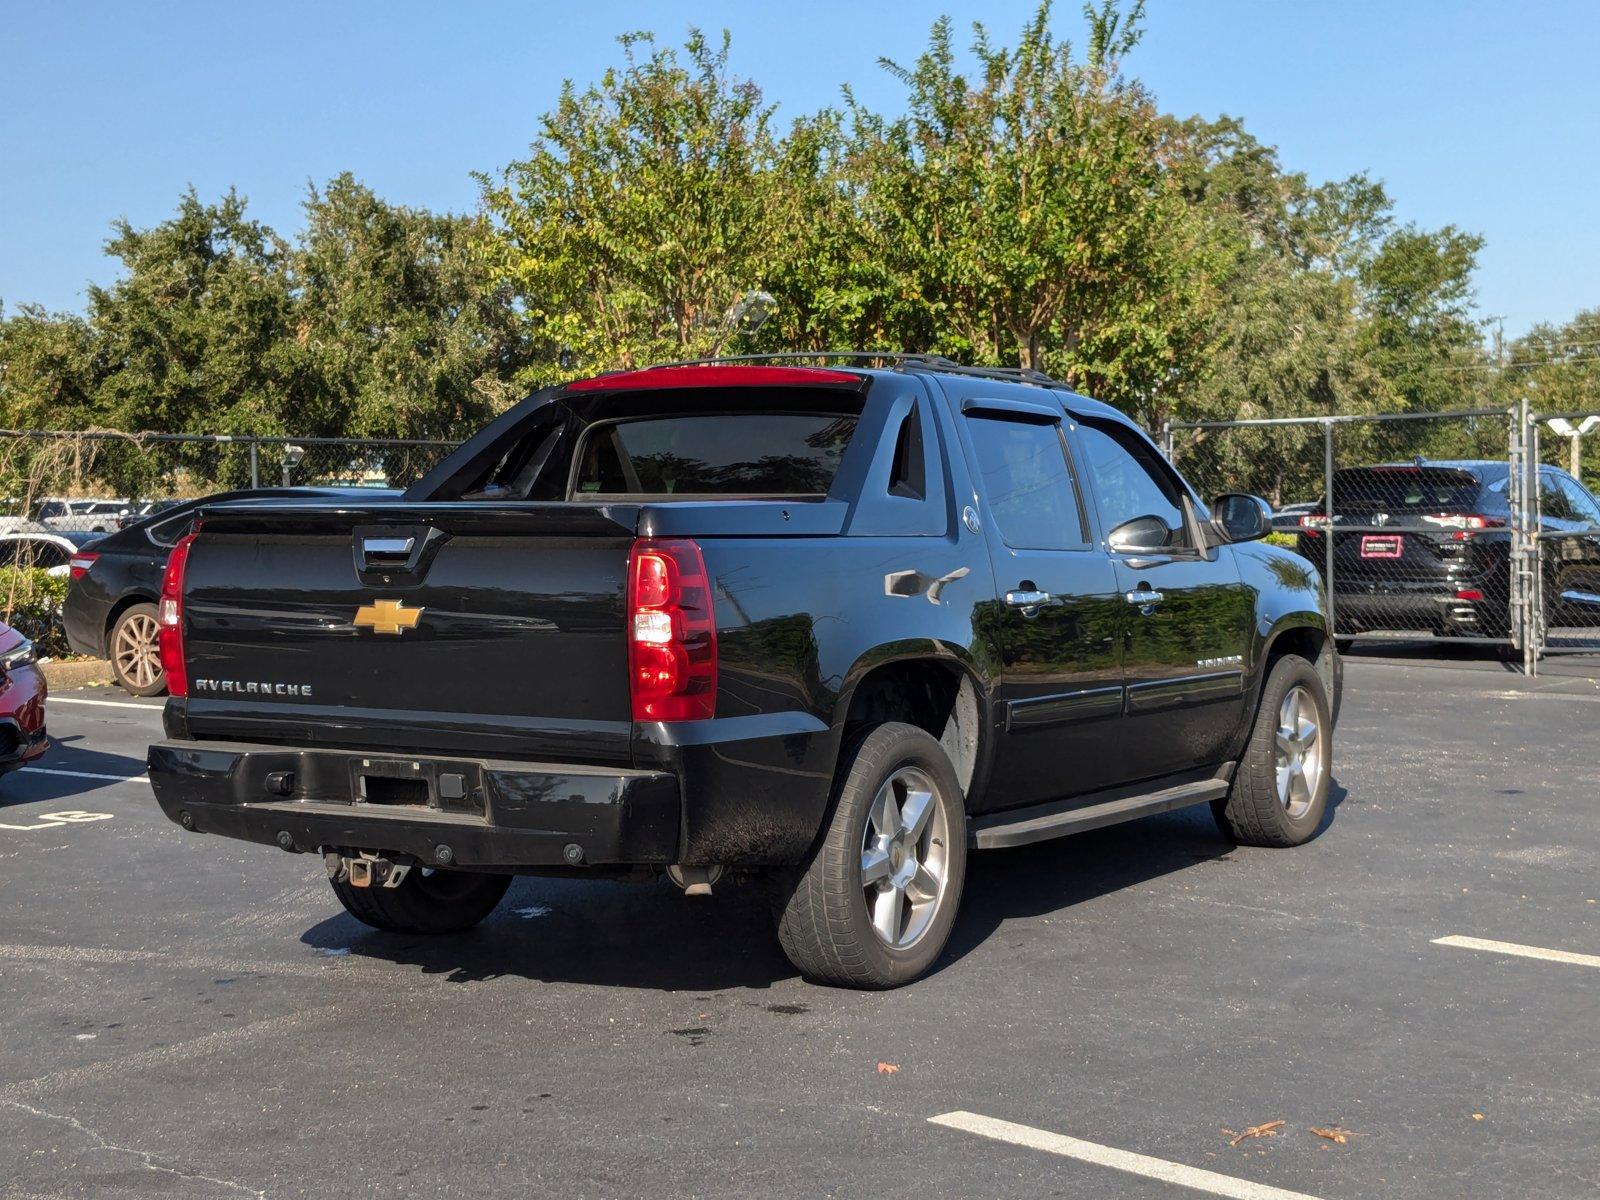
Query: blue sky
{"type": "Point", "coordinates": [1485, 115]}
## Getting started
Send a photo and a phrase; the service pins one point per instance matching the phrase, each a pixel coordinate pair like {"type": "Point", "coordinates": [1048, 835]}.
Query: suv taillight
{"type": "Point", "coordinates": [672, 633]}
{"type": "Point", "coordinates": [169, 618]}
{"type": "Point", "coordinates": [78, 565]}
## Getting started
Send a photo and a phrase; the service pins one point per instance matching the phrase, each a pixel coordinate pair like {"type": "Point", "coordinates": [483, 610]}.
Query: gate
{"type": "Point", "coordinates": [1419, 522]}
{"type": "Point", "coordinates": [1564, 546]}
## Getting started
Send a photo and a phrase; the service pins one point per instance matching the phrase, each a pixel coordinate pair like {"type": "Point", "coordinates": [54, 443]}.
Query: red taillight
{"type": "Point", "coordinates": [672, 632]}
{"type": "Point", "coordinates": [169, 617]}
{"type": "Point", "coordinates": [1311, 524]}
{"type": "Point", "coordinates": [1468, 594]}
{"type": "Point", "coordinates": [78, 565]}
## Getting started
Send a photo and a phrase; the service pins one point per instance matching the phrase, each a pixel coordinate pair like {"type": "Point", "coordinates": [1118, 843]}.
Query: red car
{"type": "Point", "coordinates": [22, 693]}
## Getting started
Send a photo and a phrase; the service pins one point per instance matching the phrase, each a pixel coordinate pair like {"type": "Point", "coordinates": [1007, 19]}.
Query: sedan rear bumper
{"type": "Point", "coordinates": [489, 814]}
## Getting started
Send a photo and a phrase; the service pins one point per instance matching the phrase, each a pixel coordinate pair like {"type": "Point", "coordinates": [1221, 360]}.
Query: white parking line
{"type": "Point", "coordinates": [86, 775]}
{"type": "Point", "coordinates": [1118, 1160]}
{"type": "Point", "coordinates": [1521, 951]}
{"type": "Point", "coordinates": [155, 708]}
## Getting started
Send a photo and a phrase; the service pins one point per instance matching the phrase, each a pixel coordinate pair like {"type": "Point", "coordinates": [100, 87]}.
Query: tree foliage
{"type": "Point", "coordinates": [1028, 204]}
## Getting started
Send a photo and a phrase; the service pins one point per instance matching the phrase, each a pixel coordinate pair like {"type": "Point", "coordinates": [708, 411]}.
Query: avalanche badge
{"type": "Point", "coordinates": [387, 616]}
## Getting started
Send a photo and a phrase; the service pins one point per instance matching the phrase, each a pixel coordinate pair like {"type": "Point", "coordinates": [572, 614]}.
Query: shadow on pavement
{"type": "Point", "coordinates": [649, 936]}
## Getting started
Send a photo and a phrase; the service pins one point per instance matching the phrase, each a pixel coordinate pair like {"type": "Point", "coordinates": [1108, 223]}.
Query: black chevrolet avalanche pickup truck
{"type": "Point", "coordinates": [831, 626]}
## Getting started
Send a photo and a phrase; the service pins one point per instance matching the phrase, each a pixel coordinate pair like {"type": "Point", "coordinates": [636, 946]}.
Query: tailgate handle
{"type": "Point", "coordinates": [394, 549]}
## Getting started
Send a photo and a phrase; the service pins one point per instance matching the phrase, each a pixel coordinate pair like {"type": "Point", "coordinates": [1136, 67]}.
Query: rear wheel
{"type": "Point", "coordinates": [874, 906]}
{"type": "Point", "coordinates": [136, 651]}
{"type": "Point", "coordinates": [1280, 789]}
{"type": "Point", "coordinates": [427, 901]}
{"type": "Point", "coordinates": [1344, 645]}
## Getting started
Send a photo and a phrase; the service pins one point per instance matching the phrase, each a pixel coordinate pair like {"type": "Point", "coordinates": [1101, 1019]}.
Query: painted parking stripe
{"type": "Point", "coordinates": [86, 775]}
{"type": "Point", "coordinates": [1521, 951]}
{"type": "Point", "coordinates": [155, 708]}
{"type": "Point", "coordinates": [1118, 1160]}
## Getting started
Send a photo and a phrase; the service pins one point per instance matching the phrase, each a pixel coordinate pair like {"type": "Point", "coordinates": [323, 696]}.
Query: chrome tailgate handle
{"type": "Point", "coordinates": [375, 548]}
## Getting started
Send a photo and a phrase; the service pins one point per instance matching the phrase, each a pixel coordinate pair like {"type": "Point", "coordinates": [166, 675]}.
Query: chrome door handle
{"type": "Point", "coordinates": [1027, 600]}
{"type": "Point", "coordinates": [1145, 601]}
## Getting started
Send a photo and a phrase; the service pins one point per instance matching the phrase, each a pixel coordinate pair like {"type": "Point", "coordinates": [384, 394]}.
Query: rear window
{"type": "Point", "coordinates": [714, 454]}
{"type": "Point", "coordinates": [1405, 489]}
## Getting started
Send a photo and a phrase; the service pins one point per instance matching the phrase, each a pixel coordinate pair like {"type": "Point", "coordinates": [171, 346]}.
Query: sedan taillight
{"type": "Point", "coordinates": [78, 565]}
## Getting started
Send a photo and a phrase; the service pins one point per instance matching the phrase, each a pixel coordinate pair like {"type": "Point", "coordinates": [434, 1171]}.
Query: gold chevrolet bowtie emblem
{"type": "Point", "coordinates": [387, 616]}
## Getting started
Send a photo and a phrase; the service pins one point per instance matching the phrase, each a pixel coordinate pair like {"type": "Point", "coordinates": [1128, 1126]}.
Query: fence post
{"type": "Point", "coordinates": [1327, 515]}
{"type": "Point", "coordinates": [255, 463]}
{"type": "Point", "coordinates": [1166, 439]}
{"type": "Point", "coordinates": [1531, 561]}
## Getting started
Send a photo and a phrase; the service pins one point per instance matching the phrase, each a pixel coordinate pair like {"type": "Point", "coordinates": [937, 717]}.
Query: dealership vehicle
{"type": "Point", "coordinates": [834, 626]}
{"type": "Point", "coordinates": [50, 552]}
{"type": "Point", "coordinates": [1426, 545]}
{"type": "Point", "coordinates": [110, 610]}
{"type": "Point", "coordinates": [22, 696]}
{"type": "Point", "coordinates": [83, 516]}
{"type": "Point", "coordinates": [148, 508]}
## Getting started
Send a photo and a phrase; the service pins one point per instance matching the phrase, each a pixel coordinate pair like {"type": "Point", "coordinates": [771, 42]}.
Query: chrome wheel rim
{"type": "Point", "coordinates": [905, 858]}
{"type": "Point", "coordinates": [1300, 754]}
{"type": "Point", "coordinates": [137, 652]}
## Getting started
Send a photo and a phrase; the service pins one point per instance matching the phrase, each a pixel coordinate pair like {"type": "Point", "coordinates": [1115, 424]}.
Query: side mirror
{"type": "Point", "coordinates": [1241, 517]}
{"type": "Point", "coordinates": [1141, 533]}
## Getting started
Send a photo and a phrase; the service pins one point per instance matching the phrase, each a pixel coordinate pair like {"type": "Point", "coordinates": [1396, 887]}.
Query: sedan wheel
{"type": "Point", "coordinates": [136, 652]}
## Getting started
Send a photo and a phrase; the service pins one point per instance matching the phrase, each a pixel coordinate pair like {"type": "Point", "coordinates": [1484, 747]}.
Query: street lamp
{"type": "Point", "coordinates": [1567, 429]}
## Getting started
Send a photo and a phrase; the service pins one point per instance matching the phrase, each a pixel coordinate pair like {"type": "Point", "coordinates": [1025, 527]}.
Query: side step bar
{"type": "Point", "coordinates": [1058, 818]}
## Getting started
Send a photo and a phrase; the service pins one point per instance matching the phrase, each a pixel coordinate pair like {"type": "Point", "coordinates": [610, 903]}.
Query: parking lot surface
{"type": "Point", "coordinates": [188, 1016]}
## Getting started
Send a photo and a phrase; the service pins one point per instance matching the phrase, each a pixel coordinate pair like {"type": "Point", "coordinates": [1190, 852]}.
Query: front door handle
{"type": "Point", "coordinates": [1144, 600]}
{"type": "Point", "coordinates": [1028, 601]}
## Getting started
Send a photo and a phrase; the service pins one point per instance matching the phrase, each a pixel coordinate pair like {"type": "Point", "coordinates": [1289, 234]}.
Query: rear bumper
{"type": "Point", "coordinates": [22, 731]}
{"type": "Point", "coordinates": [512, 815]}
{"type": "Point", "coordinates": [1360, 605]}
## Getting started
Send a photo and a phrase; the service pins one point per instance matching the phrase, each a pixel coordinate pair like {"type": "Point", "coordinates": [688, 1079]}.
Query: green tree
{"type": "Point", "coordinates": [643, 211]}
{"type": "Point", "coordinates": [399, 328]}
{"type": "Point", "coordinates": [49, 370]}
{"type": "Point", "coordinates": [199, 334]}
{"type": "Point", "coordinates": [1029, 212]}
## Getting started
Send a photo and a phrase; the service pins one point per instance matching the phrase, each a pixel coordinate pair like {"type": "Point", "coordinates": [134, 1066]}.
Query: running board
{"type": "Point", "coordinates": [1059, 818]}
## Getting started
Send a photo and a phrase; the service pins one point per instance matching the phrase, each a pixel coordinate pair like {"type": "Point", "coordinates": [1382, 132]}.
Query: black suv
{"type": "Point", "coordinates": [1426, 546]}
{"type": "Point", "coordinates": [831, 626]}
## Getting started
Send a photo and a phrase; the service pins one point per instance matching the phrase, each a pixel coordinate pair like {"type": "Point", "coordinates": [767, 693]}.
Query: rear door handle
{"type": "Point", "coordinates": [1145, 601]}
{"type": "Point", "coordinates": [1028, 602]}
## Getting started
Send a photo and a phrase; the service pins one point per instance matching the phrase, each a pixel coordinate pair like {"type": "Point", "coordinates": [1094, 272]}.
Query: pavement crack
{"type": "Point", "coordinates": [146, 1158]}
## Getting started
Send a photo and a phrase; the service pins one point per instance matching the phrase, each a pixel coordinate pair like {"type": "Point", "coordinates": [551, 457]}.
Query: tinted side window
{"type": "Point", "coordinates": [1024, 474]}
{"type": "Point", "coordinates": [1129, 481]}
{"type": "Point", "coordinates": [1553, 501]}
{"type": "Point", "coordinates": [1582, 504]}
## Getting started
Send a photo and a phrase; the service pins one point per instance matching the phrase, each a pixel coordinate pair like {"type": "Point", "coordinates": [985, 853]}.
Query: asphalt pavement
{"type": "Point", "coordinates": [185, 1016]}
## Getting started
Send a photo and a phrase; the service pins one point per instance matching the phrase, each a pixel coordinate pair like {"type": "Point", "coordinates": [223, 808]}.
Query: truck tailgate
{"type": "Point", "coordinates": [477, 628]}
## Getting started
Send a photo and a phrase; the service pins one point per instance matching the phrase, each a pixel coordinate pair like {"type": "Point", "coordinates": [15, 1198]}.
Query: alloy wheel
{"type": "Point", "coordinates": [137, 653]}
{"type": "Point", "coordinates": [1300, 753]}
{"type": "Point", "coordinates": [904, 857]}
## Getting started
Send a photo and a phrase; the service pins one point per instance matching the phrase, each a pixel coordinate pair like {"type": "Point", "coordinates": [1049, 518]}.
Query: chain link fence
{"type": "Point", "coordinates": [82, 484]}
{"type": "Point", "coordinates": [1423, 524]}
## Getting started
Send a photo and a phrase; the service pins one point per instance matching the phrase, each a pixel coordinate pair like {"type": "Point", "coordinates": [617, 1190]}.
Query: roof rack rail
{"type": "Point", "coordinates": [928, 362]}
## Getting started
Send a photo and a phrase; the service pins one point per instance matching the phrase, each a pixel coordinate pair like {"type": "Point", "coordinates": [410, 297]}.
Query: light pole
{"type": "Point", "coordinates": [1567, 429]}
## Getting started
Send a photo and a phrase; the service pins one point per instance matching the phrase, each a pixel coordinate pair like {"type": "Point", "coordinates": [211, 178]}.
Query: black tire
{"type": "Point", "coordinates": [425, 902]}
{"type": "Point", "coordinates": [824, 924]}
{"type": "Point", "coordinates": [1344, 644]}
{"type": "Point", "coordinates": [131, 626]}
{"type": "Point", "coordinates": [1254, 814]}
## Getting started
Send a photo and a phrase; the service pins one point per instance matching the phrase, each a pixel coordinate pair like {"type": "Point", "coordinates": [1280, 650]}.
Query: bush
{"type": "Point", "coordinates": [1278, 538]}
{"type": "Point", "coordinates": [30, 602]}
